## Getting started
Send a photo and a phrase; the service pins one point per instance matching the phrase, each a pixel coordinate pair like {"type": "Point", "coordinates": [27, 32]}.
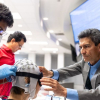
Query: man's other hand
{"type": "Point", "coordinates": [58, 89]}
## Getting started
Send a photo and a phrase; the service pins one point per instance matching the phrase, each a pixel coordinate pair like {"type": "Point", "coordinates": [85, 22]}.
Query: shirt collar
{"type": "Point", "coordinates": [95, 65]}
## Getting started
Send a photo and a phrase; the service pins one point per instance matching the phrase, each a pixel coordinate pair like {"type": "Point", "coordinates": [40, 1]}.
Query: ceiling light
{"type": "Point", "coordinates": [50, 49]}
{"type": "Point", "coordinates": [19, 25]}
{"type": "Point", "coordinates": [60, 39]}
{"type": "Point", "coordinates": [45, 18]}
{"type": "Point", "coordinates": [54, 51]}
{"type": "Point", "coordinates": [48, 34]}
{"type": "Point", "coordinates": [51, 31]}
{"type": "Point", "coordinates": [24, 32]}
{"type": "Point", "coordinates": [38, 43]}
{"type": "Point", "coordinates": [16, 16]}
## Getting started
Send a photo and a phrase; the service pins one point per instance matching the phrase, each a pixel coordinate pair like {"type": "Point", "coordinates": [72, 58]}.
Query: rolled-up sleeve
{"type": "Point", "coordinates": [72, 94]}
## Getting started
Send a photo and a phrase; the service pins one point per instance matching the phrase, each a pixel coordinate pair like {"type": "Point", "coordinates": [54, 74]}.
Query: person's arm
{"type": "Point", "coordinates": [92, 94]}
{"type": "Point", "coordinates": [70, 71]}
{"type": "Point", "coordinates": [7, 70]}
{"type": "Point", "coordinates": [66, 72]}
{"type": "Point", "coordinates": [58, 89]}
{"type": "Point", "coordinates": [45, 72]}
{"type": "Point", "coordinates": [3, 81]}
{"type": "Point", "coordinates": [62, 73]}
{"type": "Point", "coordinates": [55, 74]}
{"type": "Point", "coordinates": [72, 94]}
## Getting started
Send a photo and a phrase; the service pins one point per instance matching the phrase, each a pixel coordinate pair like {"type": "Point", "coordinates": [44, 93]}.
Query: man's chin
{"type": "Point", "coordinates": [86, 60]}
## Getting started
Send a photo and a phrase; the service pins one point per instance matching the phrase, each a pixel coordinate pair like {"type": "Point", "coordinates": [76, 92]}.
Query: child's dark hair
{"type": "Point", "coordinates": [16, 90]}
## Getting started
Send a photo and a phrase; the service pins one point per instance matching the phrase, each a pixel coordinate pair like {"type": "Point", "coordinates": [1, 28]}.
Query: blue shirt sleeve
{"type": "Point", "coordinates": [55, 74]}
{"type": "Point", "coordinates": [72, 94]}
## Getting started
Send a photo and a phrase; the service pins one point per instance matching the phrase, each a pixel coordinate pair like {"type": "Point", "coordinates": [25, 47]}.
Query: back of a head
{"type": "Point", "coordinates": [5, 15]}
{"type": "Point", "coordinates": [27, 76]}
{"type": "Point", "coordinates": [16, 91]}
{"type": "Point", "coordinates": [93, 34]}
{"type": "Point", "coordinates": [17, 35]}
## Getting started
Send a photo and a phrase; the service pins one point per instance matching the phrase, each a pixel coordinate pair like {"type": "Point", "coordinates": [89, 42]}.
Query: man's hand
{"type": "Point", "coordinates": [55, 86]}
{"type": "Point", "coordinates": [7, 70]}
{"type": "Point", "coordinates": [45, 72]}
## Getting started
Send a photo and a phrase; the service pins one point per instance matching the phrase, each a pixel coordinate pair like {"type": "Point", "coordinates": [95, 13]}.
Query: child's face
{"type": "Point", "coordinates": [26, 96]}
{"type": "Point", "coordinates": [27, 80]}
{"type": "Point", "coordinates": [37, 90]}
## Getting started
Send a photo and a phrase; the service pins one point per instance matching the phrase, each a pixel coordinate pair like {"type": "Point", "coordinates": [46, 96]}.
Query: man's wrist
{"type": "Point", "coordinates": [51, 74]}
{"type": "Point", "coordinates": [65, 93]}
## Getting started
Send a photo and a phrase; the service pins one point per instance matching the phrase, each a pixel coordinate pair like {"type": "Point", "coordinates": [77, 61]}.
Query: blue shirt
{"type": "Point", "coordinates": [93, 69]}
{"type": "Point", "coordinates": [72, 94]}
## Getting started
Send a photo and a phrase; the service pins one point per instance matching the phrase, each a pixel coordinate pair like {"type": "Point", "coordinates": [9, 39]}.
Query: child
{"type": "Point", "coordinates": [26, 84]}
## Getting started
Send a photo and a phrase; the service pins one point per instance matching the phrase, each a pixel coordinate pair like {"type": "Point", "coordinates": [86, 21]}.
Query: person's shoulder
{"type": "Point", "coordinates": [2, 47]}
{"type": "Point", "coordinates": [2, 51]}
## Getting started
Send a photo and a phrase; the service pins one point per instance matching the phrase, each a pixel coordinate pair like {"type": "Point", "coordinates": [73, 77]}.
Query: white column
{"type": "Point", "coordinates": [31, 56]}
{"type": "Point", "coordinates": [60, 60]}
{"type": "Point", "coordinates": [47, 61]}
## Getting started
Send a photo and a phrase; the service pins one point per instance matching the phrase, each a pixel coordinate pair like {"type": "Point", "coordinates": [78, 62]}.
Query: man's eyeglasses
{"type": "Point", "coordinates": [20, 46]}
{"type": "Point", "coordinates": [2, 32]}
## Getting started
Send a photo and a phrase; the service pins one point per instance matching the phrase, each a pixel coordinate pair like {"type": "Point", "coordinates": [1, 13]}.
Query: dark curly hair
{"type": "Point", "coordinates": [5, 15]}
{"type": "Point", "coordinates": [17, 35]}
{"type": "Point", "coordinates": [93, 34]}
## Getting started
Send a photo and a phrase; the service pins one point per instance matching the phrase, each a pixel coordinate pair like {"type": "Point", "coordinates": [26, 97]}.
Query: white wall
{"type": "Point", "coordinates": [47, 61]}
{"type": "Point", "coordinates": [20, 56]}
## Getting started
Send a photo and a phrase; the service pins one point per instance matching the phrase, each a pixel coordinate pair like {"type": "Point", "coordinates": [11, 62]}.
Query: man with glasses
{"type": "Point", "coordinates": [6, 20]}
{"type": "Point", "coordinates": [14, 43]}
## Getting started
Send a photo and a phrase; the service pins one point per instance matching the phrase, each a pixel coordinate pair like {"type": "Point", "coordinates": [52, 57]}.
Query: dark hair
{"type": "Point", "coordinates": [16, 90]}
{"type": "Point", "coordinates": [5, 15]}
{"type": "Point", "coordinates": [18, 36]}
{"type": "Point", "coordinates": [93, 34]}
